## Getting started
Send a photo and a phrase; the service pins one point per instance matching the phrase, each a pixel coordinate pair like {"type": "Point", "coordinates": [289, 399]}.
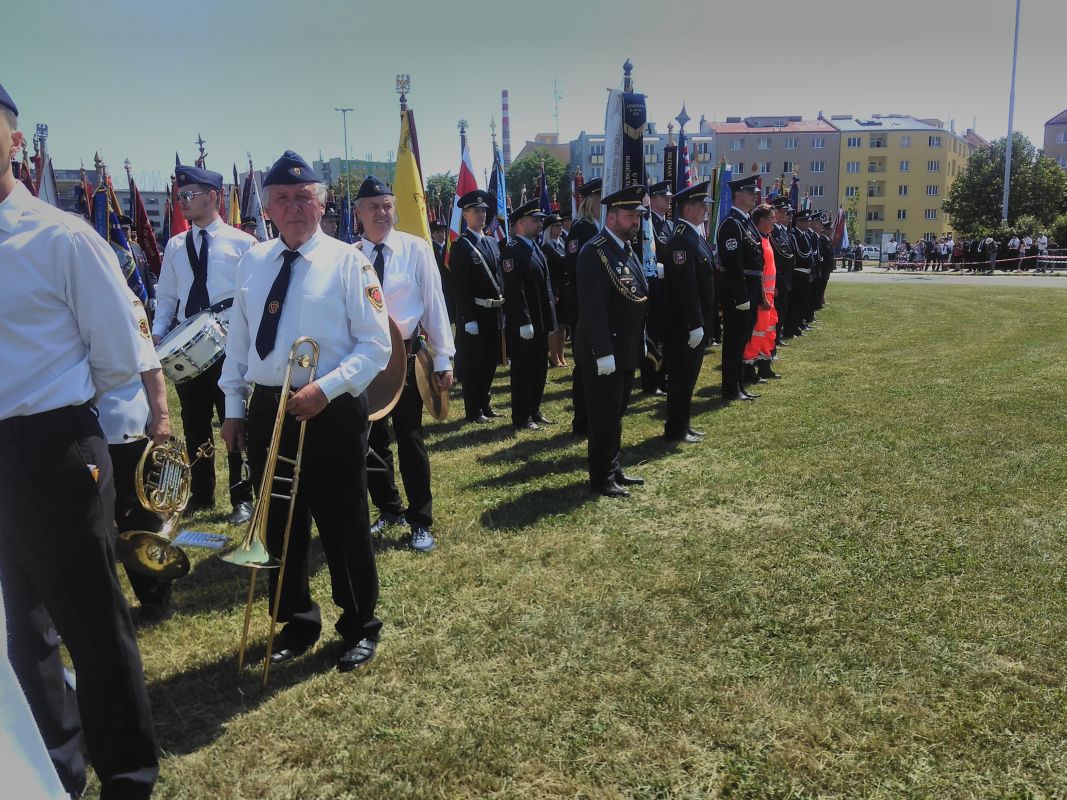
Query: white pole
{"type": "Point", "coordinates": [1011, 118]}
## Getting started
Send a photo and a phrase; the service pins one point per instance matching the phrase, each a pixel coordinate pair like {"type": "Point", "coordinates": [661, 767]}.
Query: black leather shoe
{"type": "Point", "coordinates": [242, 512]}
{"type": "Point", "coordinates": [529, 425]}
{"type": "Point", "coordinates": [748, 394]}
{"type": "Point", "coordinates": [481, 419]}
{"type": "Point", "coordinates": [611, 489]}
{"type": "Point", "coordinates": [542, 419]}
{"type": "Point", "coordinates": [693, 432]}
{"type": "Point", "coordinates": [490, 413]}
{"type": "Point", "coordinates": [288, 652]}
{"type": "Point", "coordinates": [747, 398]}
{"type": "Point", "coordinates": [769, 373]}
{"type": "Point", "coordinates": [622, 479]}
{"type": "Point", "coordinates": [357, 655]}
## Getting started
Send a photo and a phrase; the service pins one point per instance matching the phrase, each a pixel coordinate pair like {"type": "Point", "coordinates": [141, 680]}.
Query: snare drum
{"type": "Point", "coordinates": [193, 346]}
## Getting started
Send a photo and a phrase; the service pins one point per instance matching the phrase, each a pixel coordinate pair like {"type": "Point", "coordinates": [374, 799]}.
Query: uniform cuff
{"type": "Point", "coordinates": [442, 364]}
{"type": "Point", "coordinates": [235, 407]}
{"type": "Point", "coordinates": [332, 384]}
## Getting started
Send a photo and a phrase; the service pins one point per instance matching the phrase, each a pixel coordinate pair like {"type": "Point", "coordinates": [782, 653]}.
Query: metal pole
{"type": "Point", "coordinates": [1011, 118]}
{"type": "Point", "coordinates": [348, 180]}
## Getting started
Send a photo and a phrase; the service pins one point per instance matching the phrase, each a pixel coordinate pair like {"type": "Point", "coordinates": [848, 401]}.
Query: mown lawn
{"type": "Point", "coordinates": [853, 588]}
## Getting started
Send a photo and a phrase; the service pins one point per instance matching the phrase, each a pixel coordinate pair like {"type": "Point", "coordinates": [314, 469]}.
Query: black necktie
{"type": "Point", "coordinates": [379, 262]}
{"type": "Point", "coordinates": [272, 308]}
{"type": "Point", "coordinates": [198, 299]}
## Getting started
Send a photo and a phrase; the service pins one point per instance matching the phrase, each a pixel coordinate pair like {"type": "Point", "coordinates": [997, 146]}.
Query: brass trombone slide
{"type": "Point", "coordinates": [252, 551]}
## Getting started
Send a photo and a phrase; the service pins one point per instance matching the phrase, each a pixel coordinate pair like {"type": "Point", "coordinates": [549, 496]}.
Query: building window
{"type": "Point", "coordinates": [598, 172]}
{"type": "Point", "coordinates": [935, 141]}
{"type": "Point", "coordinates": [1063, 161]}
{"type": "Point", "coordinates": [905, 140]}
{"type": "Point", "coordinates": [737, 144]}
{"type": "Point", "coordinates": [930, 213]}
{"type": "Point", "coordinates": [852, 166]}
{"type": "Point", "coordinates": [816, 191]}
{"type": "Point", "coordinates": [765, 143]}
{"type": "Point", "coordinates": [933, 166]}
{"type": "Point", "coordinates": [818, 142]}
{"type": "Point", "coordinates": [788, 166]}
{"type": "Point", "coordinates": [818, 166]}
{"type": "Point", "coordinates": [932, 190]}
{"type": "Point", "coordinates": [854, 141]}
{"type": "Point", "coordinates": [905, 166]}
{"type": "Point", "coordinates": [852, 191]}
{"type": "Point", "coordinates": [765, 167]}
{"type": "Point", "coordinates": [874, 216]}
{"type": "Point", "coordinates": [652, 177]}
{"type": "Point", "coordinates": [902, 213]}
{"type": "Point", "coordinates": [877, 141]}
{"type": "Point", "coordinates": [791, 143]}
{"type": "Point", "coordinates": [902, 190]}
{"type": "Point", "coordinates": [702, 148]}
{"type": "Point", "coordinates": [596, 153]}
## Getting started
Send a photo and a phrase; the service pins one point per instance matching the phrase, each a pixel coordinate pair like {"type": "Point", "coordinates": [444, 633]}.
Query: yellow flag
{"type": "Point", "coordinates": [235, 207]}
{"type": "Point", "coordinates": [407, 187]}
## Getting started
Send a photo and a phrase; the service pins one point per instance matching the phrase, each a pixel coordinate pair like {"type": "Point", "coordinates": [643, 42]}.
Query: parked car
{"type": "Point", "coordinates": [872, 252]}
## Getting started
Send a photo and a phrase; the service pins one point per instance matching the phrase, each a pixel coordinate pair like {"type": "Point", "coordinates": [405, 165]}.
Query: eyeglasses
{"type": "Point", "coordinates": [188, 196]}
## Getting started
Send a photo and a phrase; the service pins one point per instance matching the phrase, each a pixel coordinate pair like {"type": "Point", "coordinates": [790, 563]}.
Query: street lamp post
{"type": "Point", "coordinates": [348, 181]}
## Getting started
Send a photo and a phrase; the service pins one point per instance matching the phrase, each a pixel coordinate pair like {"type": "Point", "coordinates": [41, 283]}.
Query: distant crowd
{"type": "Point", "coordinates": [1022, 252]}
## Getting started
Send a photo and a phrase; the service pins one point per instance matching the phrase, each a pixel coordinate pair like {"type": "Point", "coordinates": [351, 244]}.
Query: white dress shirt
{"type": "Point", "coordinates": [67, 328]}
{"type": "Point", "coordinates": [413, 292]}
{"type": "Point", "coordinates": [226, 246]}
{"type": "Point", "coordinates": [124, 411]}
{"type": "Point", "coordinates": [331, 298]}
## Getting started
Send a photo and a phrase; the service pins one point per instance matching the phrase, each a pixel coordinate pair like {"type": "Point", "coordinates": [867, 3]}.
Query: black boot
{"type": "Point", "coordinates": [763, 369]}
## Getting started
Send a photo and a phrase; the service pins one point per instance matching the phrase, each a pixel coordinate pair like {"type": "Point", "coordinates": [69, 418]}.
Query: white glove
{"type": "Point", "coordinates": [745, 306]}
{"type": "Point", "coordinates": [605, 365]}
{"type": "Point", "coordinates": [471, 327]}
{"type": "Point", "coordinates": [696, 336]}
{"type": "Point", "coordinates": [526, 331]}
{"type": "Point", "coordinates": [659, 270]}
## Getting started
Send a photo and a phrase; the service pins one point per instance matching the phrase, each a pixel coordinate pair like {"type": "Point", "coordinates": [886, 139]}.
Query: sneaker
{"type": "Point", "coordinates": [384, 521]}
{"type": "Point", "coordinates": [421, 540]}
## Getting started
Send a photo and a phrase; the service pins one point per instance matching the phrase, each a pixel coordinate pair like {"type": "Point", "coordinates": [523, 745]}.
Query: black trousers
{"type": "Point", "coordinates": [684, 363]}
{"type": "Point", "coordinates": [130, 515]}
{"type": "Point", "coordinates": [609, 395]}
{"type": "Point", "coordinates": [480, 358]}
{"type": "Point", "coordinates": [406, 431]}
{"type": "Point", "coordinates": [580, 423]}
{"type": "Point", "coordinates": [737, 330]}
{"type": "Point", "coordinates": [529, 372]}
{"type": "Point", "coordinates": [811, 302]}
{"type": "Point", "coordinates": [798, 302]}
{"type": "Point", "coordinates": [57, 565]}
{"type": "Point", "coordinates": [201, 399]}
{"type": "Point", "coordinates": [333, 492]}
{"type": "Point", "coordinates": [781, 305]}
{"type": "Point", "coordinates": [651, 378]}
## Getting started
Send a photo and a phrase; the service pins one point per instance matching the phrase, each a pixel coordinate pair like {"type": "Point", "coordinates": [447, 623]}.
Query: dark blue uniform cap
{"type": "Point", "coordinates": [663, 187]}
{"type": "Point", "coordinates": [531, 209]}
{"type": "Point", "coordinates": [781, 202]}
{"type": "Point", "coordinates": [183, 176]}
{"type": "Point", "coordinates": [743, 184]}
{"type": "Point", "coordinates": [696, 192]}
{"type": "Point", "coordinates": [7, 102]}
{"type": "Point", "coordinates": [478, 198]}
{"type": "Point", "coordinates": [632, 198]}
{"type": "Point", "coordinates": [290, 169]}
{"type": "Point", "coordinates": [372, 187]}
{"type": "Point", "coordinates": [592, 187]}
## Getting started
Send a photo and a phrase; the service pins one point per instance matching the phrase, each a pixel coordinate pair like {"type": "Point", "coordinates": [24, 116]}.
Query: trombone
{"type": "Point", "coordinates": [252, 551]}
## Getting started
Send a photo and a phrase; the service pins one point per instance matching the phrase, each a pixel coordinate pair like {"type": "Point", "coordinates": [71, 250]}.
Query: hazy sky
{"type": "Point", "coordinates": [139, 80]}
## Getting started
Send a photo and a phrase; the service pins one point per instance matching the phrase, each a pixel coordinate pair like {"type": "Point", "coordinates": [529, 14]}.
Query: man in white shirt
{"type": "Point", "coordinates": [68, 334]}
{"type": "Point", "coordinates": [198, 272]}
{"type": "Point", "coordinates": [306, 283]}
{"type": "Point", "coordinates": [406, 267]}
{"type": "Point", "coordinates": [1042, 252]}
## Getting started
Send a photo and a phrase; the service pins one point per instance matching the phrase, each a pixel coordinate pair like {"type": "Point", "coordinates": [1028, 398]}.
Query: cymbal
{"type": "Point", "coordinates": [384, 391]}
{"type": "Point", "coordinates": [435, 400]}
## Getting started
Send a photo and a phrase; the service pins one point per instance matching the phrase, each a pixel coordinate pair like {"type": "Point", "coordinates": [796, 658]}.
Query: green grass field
{"type": "Point", "coordinates": [853, 588]}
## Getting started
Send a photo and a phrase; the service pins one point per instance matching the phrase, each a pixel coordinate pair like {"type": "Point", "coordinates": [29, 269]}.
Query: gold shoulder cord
{"type": "Point", "coordinates": [628, 293]}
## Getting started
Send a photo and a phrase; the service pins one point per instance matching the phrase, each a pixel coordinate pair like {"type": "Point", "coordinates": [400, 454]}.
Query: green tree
{"type": "Point", "coordinates": [1038, 188]}
{"type": "Point", "coordinates": [526, 171]}
{"type": "Point", "coordinates": [852, 219]}
{"type": "Point", "coordinates": [440, 190]}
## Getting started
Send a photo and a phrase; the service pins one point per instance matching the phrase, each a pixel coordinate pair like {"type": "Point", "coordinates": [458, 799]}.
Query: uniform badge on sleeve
{"type": "Point", "coordinates": [374, 294]}
{"type": "Point", "coordinates": [731, 244]}
{"type": "Point", "coordinates": [679, 256]}
{"type": "Point", "coordinates": [572, 247]}
{"type": "Point", "coordinates": [509, 264]}
{"type": "Point", "coordinates": [142, 324]}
